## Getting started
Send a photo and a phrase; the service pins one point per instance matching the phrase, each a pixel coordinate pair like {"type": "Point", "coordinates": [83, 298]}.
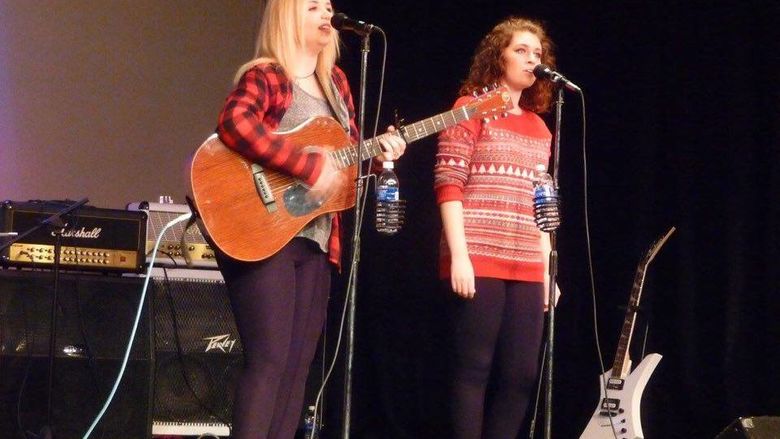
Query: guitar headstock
{"type": "Point", "coordinates": [656, 247]}
{"type": "Point", "coordinates": [491, 104]}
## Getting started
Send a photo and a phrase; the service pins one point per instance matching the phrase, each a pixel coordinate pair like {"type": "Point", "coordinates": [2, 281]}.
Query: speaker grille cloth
{"type": "Point", "coordinates": [198, 385]}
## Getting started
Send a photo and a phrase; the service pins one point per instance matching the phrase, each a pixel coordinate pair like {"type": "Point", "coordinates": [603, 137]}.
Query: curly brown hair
{"type": "Point", "coordinates": [487, 66]}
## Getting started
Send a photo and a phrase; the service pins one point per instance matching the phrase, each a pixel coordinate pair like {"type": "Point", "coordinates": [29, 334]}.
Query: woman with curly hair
{"type": "Point", "coordinates": [493, 257]}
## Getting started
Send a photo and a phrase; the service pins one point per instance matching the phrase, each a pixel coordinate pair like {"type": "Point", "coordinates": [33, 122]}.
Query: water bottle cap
{"type": "Point", "coordinates": [388, 164]}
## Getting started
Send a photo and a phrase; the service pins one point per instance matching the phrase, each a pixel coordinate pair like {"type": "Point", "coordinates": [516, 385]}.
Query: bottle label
{"type": "Point", "coordinates": [544, 191]}
{"type": "Point", "coordinates": [387, 193]}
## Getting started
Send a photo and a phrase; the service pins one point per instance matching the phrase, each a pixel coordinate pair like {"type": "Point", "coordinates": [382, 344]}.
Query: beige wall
{"type": "Point", "coordinates": [106, 99]}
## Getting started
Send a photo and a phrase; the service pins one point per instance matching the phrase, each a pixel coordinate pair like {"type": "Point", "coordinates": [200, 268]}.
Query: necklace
{"type": "Point", "coordinates": [304, 77]}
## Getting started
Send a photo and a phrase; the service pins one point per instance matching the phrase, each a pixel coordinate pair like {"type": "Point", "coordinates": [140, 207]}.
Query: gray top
{"type": "Point", "coordinates": [303, 107]}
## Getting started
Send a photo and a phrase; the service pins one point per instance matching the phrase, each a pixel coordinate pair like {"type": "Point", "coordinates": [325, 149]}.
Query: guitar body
{"type": "Point", "coordinates": [230, 205]}
{"type": "Point", "coordinates": [623, 403]}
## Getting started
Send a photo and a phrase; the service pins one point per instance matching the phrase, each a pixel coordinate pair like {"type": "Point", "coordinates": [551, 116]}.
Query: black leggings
{"type": "Point", "coordinates": [279, 305]}
{"type": "Point", "coordinates": [496, 339]}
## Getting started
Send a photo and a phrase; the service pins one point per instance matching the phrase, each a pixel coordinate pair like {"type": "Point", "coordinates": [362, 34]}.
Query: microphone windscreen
{"type": "Point", "coordinates": [542, 71]}
{"type": "Point", "coordinates": [337, 20]}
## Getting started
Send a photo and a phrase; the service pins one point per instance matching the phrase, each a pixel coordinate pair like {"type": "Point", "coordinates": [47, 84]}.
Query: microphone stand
{"type": "Point", "coordinates": [351, 296]}
{"type": "Point", "coordinates": [548, 363]}
{"type": "Point", "coordinates": [55, 222]}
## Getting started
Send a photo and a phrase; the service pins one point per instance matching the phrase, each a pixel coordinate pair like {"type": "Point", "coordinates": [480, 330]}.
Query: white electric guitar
{"type": "Point", "coordinates": [617, 414]}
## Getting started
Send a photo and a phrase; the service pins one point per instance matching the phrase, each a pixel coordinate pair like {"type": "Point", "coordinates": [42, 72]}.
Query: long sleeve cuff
{"type": "Point", "coordinates": [448, 193]}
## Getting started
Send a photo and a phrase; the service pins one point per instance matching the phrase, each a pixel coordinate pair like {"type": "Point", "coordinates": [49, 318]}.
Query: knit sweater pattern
{"type": "Point", "coordinates": [490, 168]}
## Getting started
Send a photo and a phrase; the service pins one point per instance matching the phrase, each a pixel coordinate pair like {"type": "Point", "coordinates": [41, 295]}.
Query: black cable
{"type": "Point", "coordinates": [381, 81]}
{"type": "Point", "coordinates": [532, 427]}
{"type": "Point", "coordinates": [168, 254]}
{"type": "Point", "coordinates": [644, 339]}
{"type": "Point", "coordinates": [591, 271]}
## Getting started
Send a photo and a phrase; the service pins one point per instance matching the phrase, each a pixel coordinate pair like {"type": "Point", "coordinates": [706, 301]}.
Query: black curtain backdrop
{"type": "Point", "coordinates": [681, 101]}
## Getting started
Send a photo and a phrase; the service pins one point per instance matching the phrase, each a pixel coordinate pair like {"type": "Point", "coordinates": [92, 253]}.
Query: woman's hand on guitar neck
{"type": "Point", "coordinates": [393, 144]}
{"type": "Point", "coordinates": [329, 181]}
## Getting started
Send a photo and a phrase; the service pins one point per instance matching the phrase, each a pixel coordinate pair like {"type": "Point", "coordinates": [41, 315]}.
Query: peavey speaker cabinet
{"type": "Point", "coordinates": [94, 320]}
{"type": "Point", "coordinates": [199, 355]}
{"type": "Point", "coordinates": [197, 351]}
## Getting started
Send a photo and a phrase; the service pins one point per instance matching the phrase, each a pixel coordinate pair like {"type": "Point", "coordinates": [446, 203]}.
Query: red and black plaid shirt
{"type": "Point", "coordinates": [252, 113]}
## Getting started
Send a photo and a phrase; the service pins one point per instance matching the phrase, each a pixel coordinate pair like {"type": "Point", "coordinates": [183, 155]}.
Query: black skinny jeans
{"type": "Point", "coordinates": [279, 305]}
{"type": "Point", "coordinates": [495, 357]}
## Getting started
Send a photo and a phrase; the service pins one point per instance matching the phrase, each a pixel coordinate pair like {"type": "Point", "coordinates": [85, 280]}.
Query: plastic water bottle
{"type": "Point", "coordinates": [389, 209]}
{"type": "Point", "coordinates": [309, 429]}
{"type": "Point", "coordinates": [546, 203]}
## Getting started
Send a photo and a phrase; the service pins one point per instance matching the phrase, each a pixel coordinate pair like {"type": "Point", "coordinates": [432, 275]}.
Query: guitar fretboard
{"type": "Point", "coordinates": [346, 157]}
{"type": "Point", "coordinates": [628, 326]}
{"type": "Point", "coordinates": [622, 365]}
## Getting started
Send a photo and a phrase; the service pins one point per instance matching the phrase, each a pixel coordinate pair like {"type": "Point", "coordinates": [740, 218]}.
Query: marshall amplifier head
{"type": "Point", "coordinates": [91, 238]}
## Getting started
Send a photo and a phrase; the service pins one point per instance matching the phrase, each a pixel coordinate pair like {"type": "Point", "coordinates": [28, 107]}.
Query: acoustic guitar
{"type": "Point", "coordinates": [251, 212]}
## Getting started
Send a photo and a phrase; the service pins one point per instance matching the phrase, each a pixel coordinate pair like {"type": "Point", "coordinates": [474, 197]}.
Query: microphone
{"type": "Point", "coordinates": [541, 71]}
{"type": "Point", "coordinates": [340, 21]}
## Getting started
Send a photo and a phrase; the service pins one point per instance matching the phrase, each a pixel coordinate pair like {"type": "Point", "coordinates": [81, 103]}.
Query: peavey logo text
{"type": "Point", "coordinates": [221, 342]}
{"type": "Point", "coordinates": [80, 233]}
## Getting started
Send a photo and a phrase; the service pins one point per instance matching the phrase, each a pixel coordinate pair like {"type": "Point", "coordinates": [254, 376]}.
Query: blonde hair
{"type": "Point", "coordinates": [281, 33]}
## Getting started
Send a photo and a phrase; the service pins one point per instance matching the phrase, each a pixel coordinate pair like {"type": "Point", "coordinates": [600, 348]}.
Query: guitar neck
{"type": "Point", "coordinates": [346, 157]}
{"type": "Point", "coordinates": [622, 364]}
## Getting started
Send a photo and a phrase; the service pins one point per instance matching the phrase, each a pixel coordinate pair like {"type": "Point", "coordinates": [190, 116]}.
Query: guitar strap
{"type": "Point", "coordinates": [337, 103]}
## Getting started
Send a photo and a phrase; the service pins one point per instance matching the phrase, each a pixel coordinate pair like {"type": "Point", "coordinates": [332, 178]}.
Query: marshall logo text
{"type": "Point", "coordinates": [80, 233]}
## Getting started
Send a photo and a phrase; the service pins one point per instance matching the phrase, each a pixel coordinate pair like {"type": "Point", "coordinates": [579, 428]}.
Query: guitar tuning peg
{"type": "Point", "coordinates": [495, 117]}
{"type": "Point", "coordinates": [486, 120]}
{"type": "Point", "coordinates": [504, 114]}
{"type": "Point", "coordinates": [475, 93]}
{"type": "Point", "coordinates": [484, 89]}
{"type": "Point", "coordinates": [495, 86]}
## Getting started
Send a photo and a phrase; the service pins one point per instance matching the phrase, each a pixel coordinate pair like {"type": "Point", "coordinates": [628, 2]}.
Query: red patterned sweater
{"type": "Point", "coordinates": [490, 168]}
{"type": "Point", "coordinates": [253, 111]}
